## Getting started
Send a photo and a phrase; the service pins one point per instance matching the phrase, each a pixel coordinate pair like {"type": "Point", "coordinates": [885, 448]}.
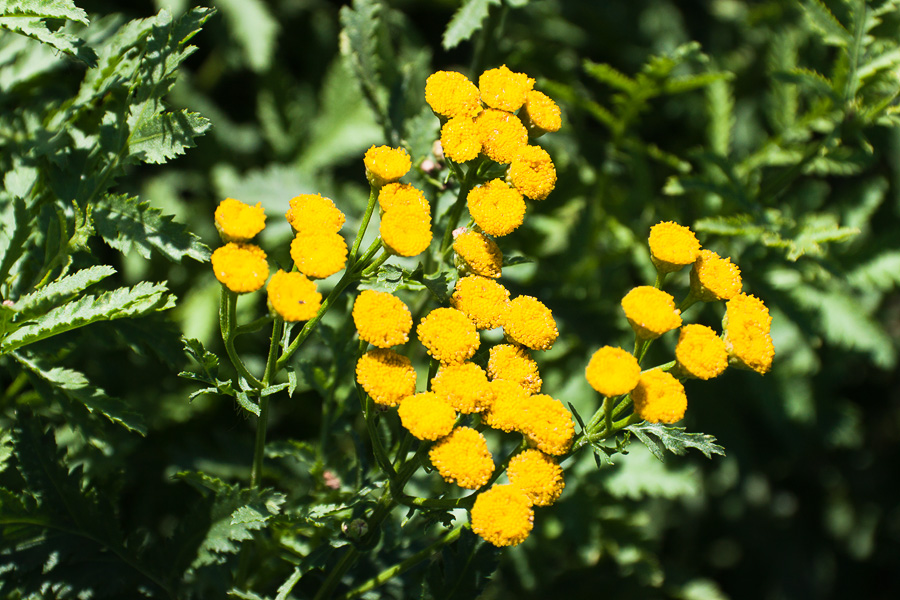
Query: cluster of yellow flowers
{"type": "Point", "coordinates": [700, 353]}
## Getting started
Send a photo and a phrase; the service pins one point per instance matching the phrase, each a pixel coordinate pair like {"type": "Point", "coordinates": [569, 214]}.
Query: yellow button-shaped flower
{"type": "Point", "coordinates": [238, 222]}
{"type": "Point", "coordinates": [613, 371]}
{"type": "Point", "coordinates": [314, 213]}
{"type": "Point", "coordinates": [700, 352]}
{"type": "Point", "coordinates": [448, 335]}
{"type": "Point", "coordinates": [319, 255]}
{"type": "Point", "coordinates": [464, 386]}
{"type": "Point", "coordinates": [502, 515]}
{"type": "Point", "coordinates": [650, 311]}
{"type": "Point", "coordinates": [463, 458]}
{"type": "Point", "coordinates": [293, 297]}
{"type": "Point", "coordinates": [496, 207]}
{"type": "Point", "coordinates": [478, 253]}
{"type": "Point", "coordinates": [530, 323]}
{"type": "Point", "coordinates": [381, 319]}
{"type": "Point", "coordinates": [241, 268]}
{"type": "Point", "coordinates": [451, 94]}
{"type": "Point", "coordinates": [747, 326]}
{"type": "Point", "coordinates": [672, 246]}
{"type": "Point", "coordinates": [538, 475]}
{"type": "Point", "coordinates": [386, 376]}
{"type": "Point", "coordinates": [482, 299]}
{"type": "Point", "coordinates": [513, 363]}
{"type": "Point", "coordinates": [426, 416]}
{"type": "Point", "coordinates": [714, 278]}
{"type": "Point", "coordinates": [659, 398]}
{"type": "Point", "coordinates": [532, 172]}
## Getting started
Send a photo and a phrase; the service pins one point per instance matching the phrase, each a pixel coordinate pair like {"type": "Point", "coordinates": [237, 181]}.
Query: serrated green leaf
{"type": "Point", "coordinates": [466, 21]}
{"type": "Point", "coordinates": [823, 20]}
{"type": "Point", "coordinates": [162, 137]}
{"type": "Point", "coordinates": [810, 80]}
{"type": "Point", "coordinates": [611, 76]}
{"type": "Point", "coordinates": [18, 226]}
{"type": "Point", "coordinates": [6, 448]}
{"type": "Point", "coordinates": [687, 83]}
{"type": "Point", "coordinates": [284, 590]}
{"type": "Point", "coordinates": [360, 24]}
{"type": "Point", "coordinates": [881, 272]}
{"type": "Point", "coordinates": [62, 290]}
{"type": "Point", "coordinates": [26, 17]}
{"type": "Point", "coordinates": [253, 27]}
{"type": "Point", "coordinates": [674, 439]}
{"type": "Point", "coordinates": [44, 9]}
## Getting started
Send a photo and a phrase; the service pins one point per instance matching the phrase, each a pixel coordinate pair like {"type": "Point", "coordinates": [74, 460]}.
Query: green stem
{"type": "Point", "coordinates": [227, 325]}
{"type": "Point", "coordinates": [465, 185]}
{"type": "Point", "coordinates": [373, 268]}
{"type": "Point", "coordinates": [381, 456]}
{"type": "Point", "coordinates": [252, 326]}
{"type": "Point", "coordinates": [259, 449]}
{"type": "Point", "coordinates": [364, 224]}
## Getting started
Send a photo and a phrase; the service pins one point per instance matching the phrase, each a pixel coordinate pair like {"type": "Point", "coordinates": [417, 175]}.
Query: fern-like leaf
{"type": "Point", "coordinates": [60, 291]}
{"type": "Point", "coordinates": [467, 21]}
{"type": "Point", "coordinates": [27, 17]}
{"type": "Point", "coordinates": [164, 136]}
{"type": "Point", "coordinates": [674, 439]}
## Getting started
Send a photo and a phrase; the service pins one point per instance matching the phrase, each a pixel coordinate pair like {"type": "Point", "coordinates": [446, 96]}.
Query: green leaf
{"type": "Point", "coordinates": [359, 47]}
{"type": "Point", "coordinates": [467, 20]}
{"type": "Point", "coordinates": [44, 9]}
{"type": "Point", "coordinates": [612, 77]}
{"type": "Point", "coordinates": [674, 439]}
{"type": "Point", "coordinates": [18, 226]}
{"type": "Point", "coordinates": [824, 21]}
{"type": "Point", "coordinates": [26, 17]}
{"type": "Point", "coordinates": [462, 569]}
{"type": "Point", "coordinates": [253, 28]}
{"type": "Point", "coordinates": [60, 291]}
{"type": "Point", "coordinates": [6, 449]}
{"type": "Point", "coordinates": [209, 365]}
{"type": "Point", "coordinates": [881, 272]}
{"type": "Point", "coordinates": [638, 476]}
{"type": "Point", "coordinates": [687, 83]}
{"type": "Point", "coordinates": [162, 137]}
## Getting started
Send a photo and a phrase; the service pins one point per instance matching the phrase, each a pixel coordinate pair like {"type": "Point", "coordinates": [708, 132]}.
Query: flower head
{"type": "Point", "coordinates": [502, 515]}
{"type": "Point", "coordinates": [319, 255]}
{"type": "Point", "coordinates": [463, 457]}
{"type": "Point", "coordinates": [530, 323]}
{"type": "Point", "coordinates": [448, 335]}
{"type": "Point", "coordinates": [613, 371]}
{"type": "Point", "coordinates": [547, 424]}
{"type": "Point", "coordinates": [541, 114]}
{"type": "Point", "coordinates": [538, 475]}
{"type": "Point", "coordinates": [700, 352]}
{"type": "Point", "coordinates": [532, 172]}
{"type": "Point", "coordinates": [497, 207]}
{"type": "Point", "coordinates": [394, 195]}
{"type": "Point", "coordinates": [382, 319]}
{"type": "Point", "coordinates": [507, 403]}
{"type": "Point", "coordinates": [504, 89]}
{"type": "Point", "coordinates": [747, 326]}
{"type": "Point", "coordinates": [314, 213]}
{"type": "Point", "coordinates": [238, 222]}
{"type": "Point", "coordinates": [451, 94]}
{"type": "Point", "coordinates": [293, 296]}
{"type": "Point", "coordinates": [386, 165]}
{"type": "Point", "coordinates": [241, 268]}
{"type": "Point", "coordinates": [406, 230]}
{"type": "Point", "coordinates": [479, 253]}
{"type": "Point", "coordinates": [426, 416]}
{"type": "Point", "coordinates": [650, 311]}
{"type": "Point", "coordinates": [501, 133]}
{"type": "Point", "coordinates": [659, 398]}
{"type": "Point", "coordinates": [464, 386]}
{"type": "Point", "coordinates": [513, 363]}
{"type": "Point", "coordinates": [386, 376]}
{"type": "Point", "coordinates": [482, 299]}
{"type": "Point", "coordinates": [714, 277]}
{"type": "Point", "coordinates": [672, 246]}
{"type": "Point", "coordinates": [460, 140]}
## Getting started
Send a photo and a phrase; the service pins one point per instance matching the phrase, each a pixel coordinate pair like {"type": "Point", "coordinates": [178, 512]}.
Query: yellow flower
{"type": "Point", "coordinates": [532, 172]}
{"type": "Point", "coordinates": [426, 416]}
{"type": "Point", "coordinates": [314, 213]}
{"type": "Point", "coordinates": [502, 516]}
{"type": "Point", "coordinates": [483, 300]}
{"type": "Point", "coordinates": [241, 268]}
{"type": "Point", "coordinates": [714, 277]}
{"type": "Point", "coordinates": [540, 115]}
{"type": "Point", "coordinates": [394, 195]}
{"type": "Point", "coordinates": [293, 296]}
{"type": "Point", "coordinates": [386, 165]}
{"type": "Point", "coordinates": [747, 326]}
{"type": "Point", "coordinates": [451, 94]}
{"type": "Point", "coordinates": [238, 222]}
{"type": "Point", "coordinates": [530, 323]}
{"type": "Point", "coordinates": [406, 230]}
{"type": "Point", "coordinates": [459, 139]}
{"type": "Point", "coordinates": [538, 475]}
{"type": "Point", "coordinates": [613, 371]}
{"type": "Point", "coordinates": [513, 363]}
{"type": "Point", "coordinates": [497, 207]}
{"type": "Point", "coordinates": [672, 246]}
{"type": "Point", "coordinates": [318, 255]}
{"type": "Point", "coordinates": [463, 457]}
{"type": "Point", "coordinates": [464, 386]}
{"type": "Point", "coordinates": [381, 319]}
{"type": "Point", "coordinates": [659, 398]}
{"type": "Point", "coordinates": [386, 376]}
{"type": "Point", "coordinates": [448, 335]}
{"type": "Point", "coordinates": [504, 89]}
{"type": "Point", "coordinates": [650, 311]}
{"type": "Point", "coordinates": [501, 133]}
{"type": "Point", "coordinates": [547, 424]}
{"type": "Point", "coordinates": [506, 407]}
{"type": "Point", "coordinates": [700, 352]}
{"type": "Point", "coordinates": [479, 253]}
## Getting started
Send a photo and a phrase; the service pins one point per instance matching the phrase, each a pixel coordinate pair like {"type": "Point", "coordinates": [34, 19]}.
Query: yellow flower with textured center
{"type": "Point", "coordinates": [650, 311]}
{"type": "Point", "coordinates": [482, 299]}
{"type": "Point", "coordinates": [700, 352]}
{"type": "Point", "coordinates": [672, 246]}
{"type": "Point", "coordinates": [479, 253]}
{"type": "Point", "coordinates": [747, 327]}
{"type": "Point", "coordinates": [406, 230]}
{"type": "Point", "coordinates": [504, 89]}
{"type": "Point", "coordinates": [459, 139]}
{"type": "Point", "coordinates": [547, 424]}
{"type": "Point", "coordinates": [386, 165]}
{"type": "Point", "coordinates": [314, 213]}
{"type": "Point", "coordinates": [381, 319]}
{"type": "Point", "coordinates": [502, 135]}
{"type": "Point", "coordinates": [497, 207]}
{"type": "Point", "coordinates": [464, 386]}
{"type": "Point", "coordinates": [463, 457]}
{"type": "Point", "coordinates": [532, 172]}
{"type": "Point", "coordinates": [514, 363]}
{"type": "Point", "coordinates": [426, 416]}
{"type": "Point", "coordinates": [714, 277]}
{"type": "Point", "coordinates": [538, 475]}
{"type": "Point", "coordinates": [386, 376]}
{"type": "Point", "coordinates": [319, 255]}
{"type": "Point", "coordinates": [507, 403]}
{"type": "Point", "coordinates": [241, 268]}
{"type": "Point", "coordinates": [394, 195]}
{"type": "Point", "coordinates": [451, 94]}
{"type": "Point", "coordinates": [541, 114]}
{"type": "Point", "coordinates": [502, 516]}
{"type": "Point", "coordinates": [659, 398]}
{"type": "Point", "coordinates": [530, 323]}
{"type": "Point", "coordinates": [448, 335]}
{"type": "Point", "coordinates": [238, 222]}
{"type": "Point", "coordinates": [293, 296]}
{"type": "Point", "coordinates": [613, 371]}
